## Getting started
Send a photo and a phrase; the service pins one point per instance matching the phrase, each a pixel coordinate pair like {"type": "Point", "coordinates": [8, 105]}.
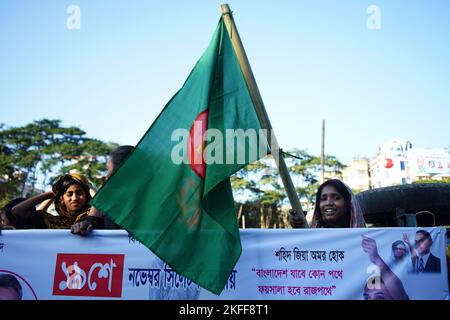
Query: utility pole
{"type": "Point", "coordinates": [322, 154]}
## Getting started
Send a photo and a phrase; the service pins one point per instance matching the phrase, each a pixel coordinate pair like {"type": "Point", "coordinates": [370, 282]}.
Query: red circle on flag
{"type": "Point", "coordinates": [196, 144]}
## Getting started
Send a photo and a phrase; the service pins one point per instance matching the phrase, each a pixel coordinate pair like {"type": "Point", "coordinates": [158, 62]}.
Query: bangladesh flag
{"type": "Point", "coordinates": [173, 193]}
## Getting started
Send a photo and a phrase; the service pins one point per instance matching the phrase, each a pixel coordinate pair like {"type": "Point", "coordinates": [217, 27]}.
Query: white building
{"type": "Point", "coordinates": [390, 167]}
{"type": "Point", "coordinates": [356, 174]}
{"type": "Point", "coordinates": [397, 162]}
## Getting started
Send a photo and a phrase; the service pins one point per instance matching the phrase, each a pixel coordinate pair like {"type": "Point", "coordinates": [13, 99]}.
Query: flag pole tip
{"type": "Point", "coordinates": [224, 8]}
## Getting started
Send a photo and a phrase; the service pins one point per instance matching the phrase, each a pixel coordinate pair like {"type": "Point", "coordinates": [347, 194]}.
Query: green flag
{"type": "Point", "coordinates": [173, 193]}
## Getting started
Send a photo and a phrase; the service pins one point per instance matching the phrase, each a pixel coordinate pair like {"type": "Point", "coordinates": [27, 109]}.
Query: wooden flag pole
{"type": "Point", "coordinates": [261, 111]}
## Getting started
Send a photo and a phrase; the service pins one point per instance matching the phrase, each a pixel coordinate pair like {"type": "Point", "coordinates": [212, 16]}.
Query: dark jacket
{"type": "Point", "coordinates": [433, 264]}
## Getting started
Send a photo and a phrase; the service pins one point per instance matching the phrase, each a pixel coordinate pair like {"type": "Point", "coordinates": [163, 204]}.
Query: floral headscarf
{"type": "Point", "coordinates": [66, 219]}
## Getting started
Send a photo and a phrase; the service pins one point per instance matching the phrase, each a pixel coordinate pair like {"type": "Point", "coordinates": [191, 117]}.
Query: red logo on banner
{"type": "Point", "coordinates": [91, 275]}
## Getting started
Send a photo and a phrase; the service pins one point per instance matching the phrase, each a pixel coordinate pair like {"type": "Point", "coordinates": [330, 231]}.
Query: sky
{"type": "Point", "coordinates": [370, 76]}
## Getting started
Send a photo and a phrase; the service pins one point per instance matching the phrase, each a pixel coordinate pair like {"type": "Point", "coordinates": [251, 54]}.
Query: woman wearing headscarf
{"type": "Point", "coordinates": [71, 194]}
{"type": "Point", "coordinates": [336, 207]}
{"type": "Point", "coordinates": [400, 260]}
{"type": "Point", "coordinates": [96, 219]}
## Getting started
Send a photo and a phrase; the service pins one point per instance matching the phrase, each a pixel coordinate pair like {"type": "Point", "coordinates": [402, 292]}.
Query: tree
{"type": "Point", "coordinates": [91, 161]}
{"type": "Point", "coordinates": [46, 149]}
{"type": "Point", "coordinates": [10, 182]}
{"type": "Point", "coordinates": [257, 186]}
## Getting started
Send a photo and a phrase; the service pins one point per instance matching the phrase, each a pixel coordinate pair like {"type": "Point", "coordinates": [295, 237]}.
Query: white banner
{"type": "Point", "coordinates": [275, 264]}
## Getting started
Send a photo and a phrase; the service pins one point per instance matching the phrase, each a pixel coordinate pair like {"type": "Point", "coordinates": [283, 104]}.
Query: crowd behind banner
{"type": "Point", "coordinates": [283, 264]}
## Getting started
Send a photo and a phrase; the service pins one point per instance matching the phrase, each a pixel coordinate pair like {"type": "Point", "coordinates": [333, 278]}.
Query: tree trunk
{"type": "Point", "coordinates": [24, 183]}
{"type": "Point", "coordinates": [262, 217]}
{"type": "Point", "coordinates": [33, 179]}
{"type": "Point", "coordinates": [269, 217]}
{"type": "Point", "coordinates": [240, 212]}
{"type": "Point", "coordinates": [276, 217]}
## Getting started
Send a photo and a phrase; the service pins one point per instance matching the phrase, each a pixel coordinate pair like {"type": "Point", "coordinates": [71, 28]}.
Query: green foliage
{"type": "Point", "coordinates": [305, 170]}
{"type": "Point", "coordinates": [444, 180]}
{"type": "Point", "coordinates": [47, 149]}
{"type": "Point", "coordinates": [260, 182]}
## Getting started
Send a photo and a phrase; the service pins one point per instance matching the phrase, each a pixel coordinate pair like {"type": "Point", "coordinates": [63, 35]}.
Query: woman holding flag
{"type": "Point", "coordinates": [336, 207]}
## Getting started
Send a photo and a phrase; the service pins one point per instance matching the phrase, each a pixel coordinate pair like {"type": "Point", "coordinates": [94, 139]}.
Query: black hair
{"type": "Point", "coordinates": [10, 281]}
{"type": "Point", "coordinates": [342, 189]}
{"type": "Point", "coordinates": [425, 233]}
{"type": "Point", "coordinates": [65, 182]}
{"type": "Point", "coordinates": [118, 155]}
{"type": "Point", "coordinates": [61, 186]}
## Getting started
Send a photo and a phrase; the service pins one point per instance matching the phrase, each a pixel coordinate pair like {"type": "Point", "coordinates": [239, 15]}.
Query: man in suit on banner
{"type": "Point", "coordinates": [425, 261]}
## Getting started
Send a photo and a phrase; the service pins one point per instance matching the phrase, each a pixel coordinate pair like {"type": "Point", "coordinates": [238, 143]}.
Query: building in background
{"type": "Point", "coordinates": [397, 163]}
{"type": "Point", "coordinates": [427, 164]}
{"type": "Point", "coordinates": [389, 167]}
{"type": "Point", "coordinates": [356, 174]}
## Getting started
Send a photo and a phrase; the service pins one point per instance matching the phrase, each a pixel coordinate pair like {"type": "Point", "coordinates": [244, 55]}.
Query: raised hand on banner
{"type": "Point", "coordinates": [411, 248]}
{"type": "Point", "coordinates": [406, 239]}
{"type": "Point", "coordinates": [370, 246]}
{"type": "Point", "coordinates": [393, 284]}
